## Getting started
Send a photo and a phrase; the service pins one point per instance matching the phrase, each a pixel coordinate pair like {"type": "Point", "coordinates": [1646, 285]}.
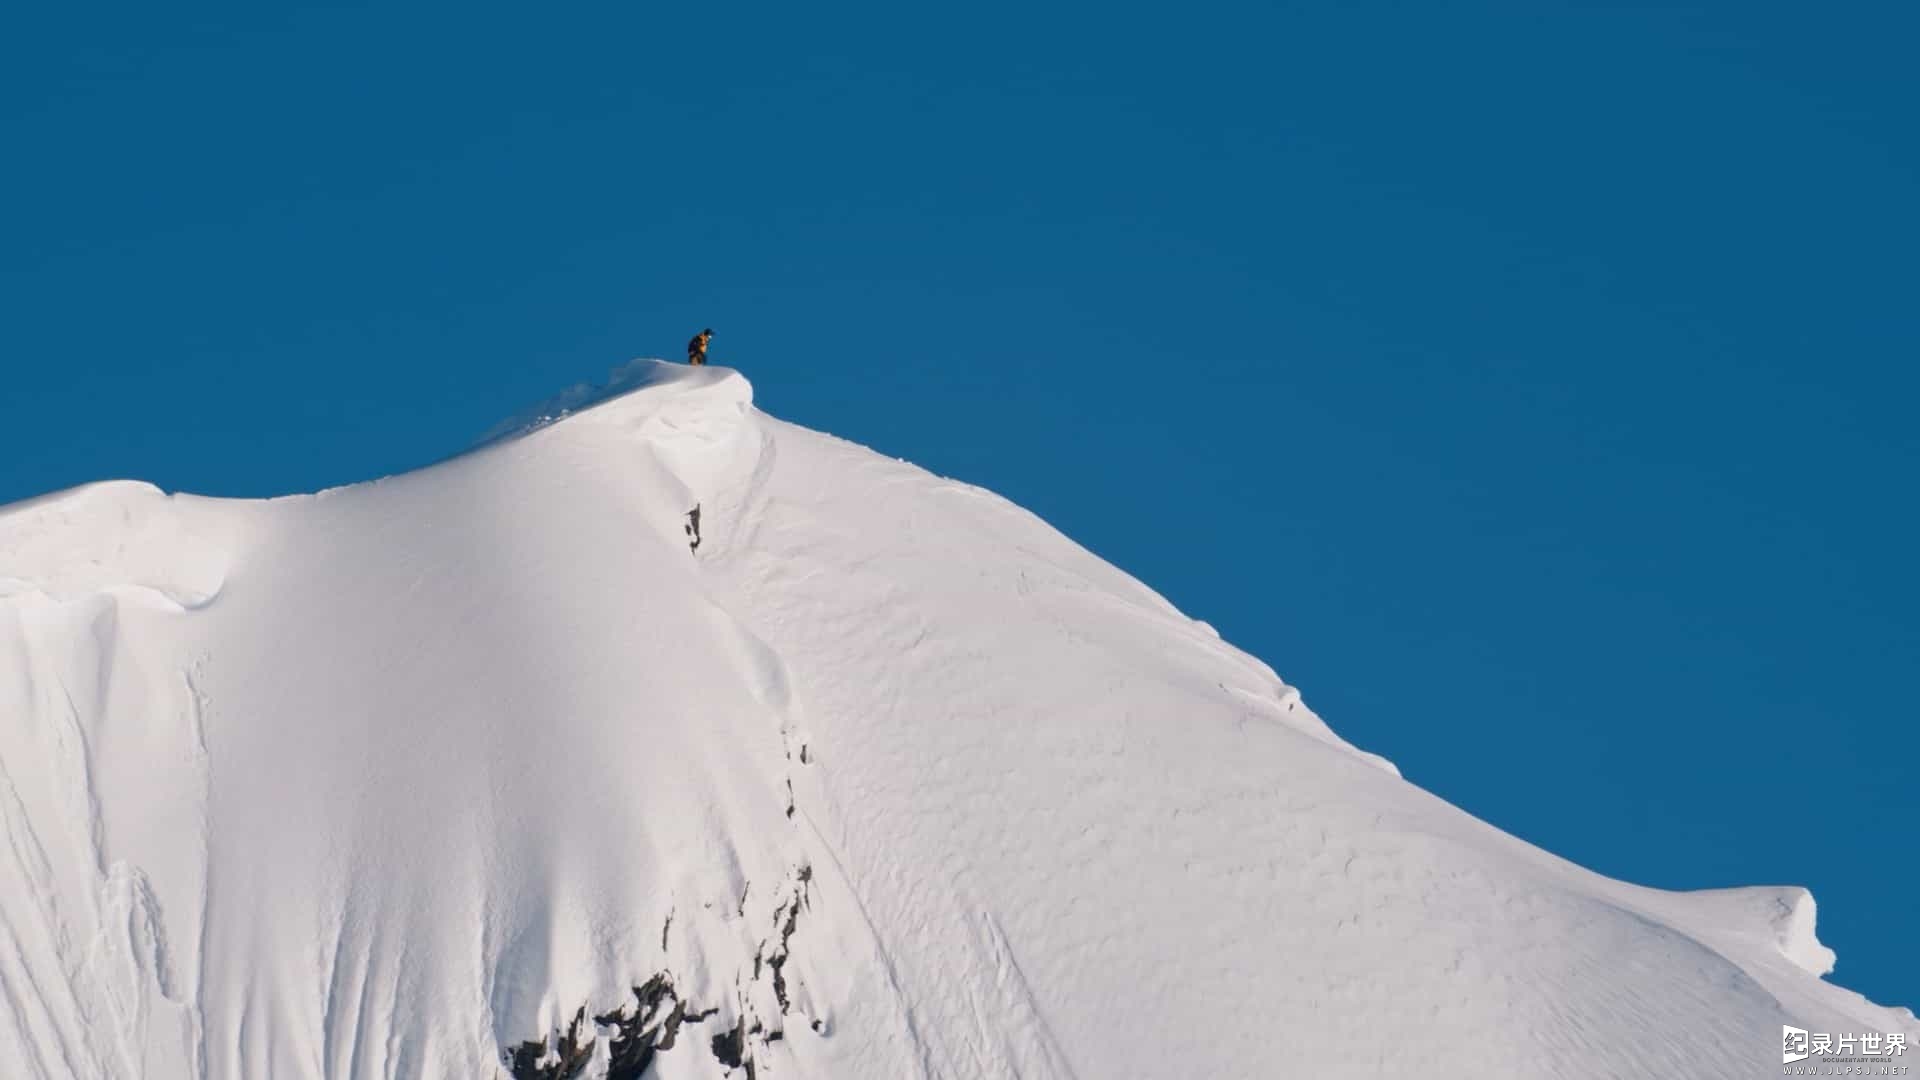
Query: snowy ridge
{"type": "Point", "coordinates": [659, 737]}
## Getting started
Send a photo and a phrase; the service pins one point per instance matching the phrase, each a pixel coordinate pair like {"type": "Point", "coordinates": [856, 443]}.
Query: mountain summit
{"type": "Point", "coordinates": [659, 737]}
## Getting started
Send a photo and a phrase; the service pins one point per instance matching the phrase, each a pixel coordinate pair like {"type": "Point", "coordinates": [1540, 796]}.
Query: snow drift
{"type": "Point", "coordinates": [658, 736]}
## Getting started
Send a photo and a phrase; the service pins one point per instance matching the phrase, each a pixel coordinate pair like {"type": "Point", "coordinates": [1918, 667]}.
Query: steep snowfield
{"type": "Point", "coordinates": [885, 778]}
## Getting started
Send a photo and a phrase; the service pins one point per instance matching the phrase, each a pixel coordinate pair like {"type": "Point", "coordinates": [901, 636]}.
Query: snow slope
{"type": "Point", "coordinates": [883, 778]}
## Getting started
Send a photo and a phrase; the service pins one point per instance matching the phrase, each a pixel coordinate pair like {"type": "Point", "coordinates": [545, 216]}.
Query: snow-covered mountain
{"type": "Point", "coordinates": [661, 737]}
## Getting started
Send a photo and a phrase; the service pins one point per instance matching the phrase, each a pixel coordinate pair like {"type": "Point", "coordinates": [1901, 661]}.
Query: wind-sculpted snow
{"type": "Point", "coordinates": [518, 766]}
{"type": "Point", "coordinates": [95, 970]}
{"type": "Point", "coordinates": [121, 537]}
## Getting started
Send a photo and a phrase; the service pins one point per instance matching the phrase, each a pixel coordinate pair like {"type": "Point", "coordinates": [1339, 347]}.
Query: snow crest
{"type": "Point", "coordinates": [111, 537]}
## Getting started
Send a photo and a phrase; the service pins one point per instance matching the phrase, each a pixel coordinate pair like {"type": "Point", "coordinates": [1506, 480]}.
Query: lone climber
{"type": "Point", "coordinates": [697, 348]}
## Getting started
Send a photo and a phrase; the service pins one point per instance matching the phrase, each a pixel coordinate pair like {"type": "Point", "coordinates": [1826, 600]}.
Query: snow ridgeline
{"type": "Point", "coordinates": [490, 769]}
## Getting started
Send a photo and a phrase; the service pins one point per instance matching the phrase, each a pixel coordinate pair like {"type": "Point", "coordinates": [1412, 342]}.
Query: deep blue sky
{"type": "Point", "coordinates": [1532, 384]}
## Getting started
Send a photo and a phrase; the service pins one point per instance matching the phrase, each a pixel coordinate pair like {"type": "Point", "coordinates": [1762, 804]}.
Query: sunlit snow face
{"type": "Point", "coordinates": [671, 705]}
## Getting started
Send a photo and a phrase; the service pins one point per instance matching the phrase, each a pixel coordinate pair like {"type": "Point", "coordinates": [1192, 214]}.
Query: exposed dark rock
{"type": "Point", "coordinates": [651, 1028]}
{"type": "Point", "coordinates": [652, 1024]}
{"type": "Point", "coordinates": [572, 1055]}
{"type": "Point", "coordinates": [640, 1031]}
{"type": "Point", "coordinates": [786, 919]}
{"type": "Point", "coordinates": [730, 1046]}
{"type": "Point", "coordinates": [693, 528]}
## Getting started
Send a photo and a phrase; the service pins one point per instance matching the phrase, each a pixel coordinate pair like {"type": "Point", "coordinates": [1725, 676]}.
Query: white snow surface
{"type": "Point", "coordinates": [383, 781]}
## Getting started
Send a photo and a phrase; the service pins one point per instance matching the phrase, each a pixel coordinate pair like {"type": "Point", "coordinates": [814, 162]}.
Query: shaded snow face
{"type": "Point", "coordinates": [660, 737]}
